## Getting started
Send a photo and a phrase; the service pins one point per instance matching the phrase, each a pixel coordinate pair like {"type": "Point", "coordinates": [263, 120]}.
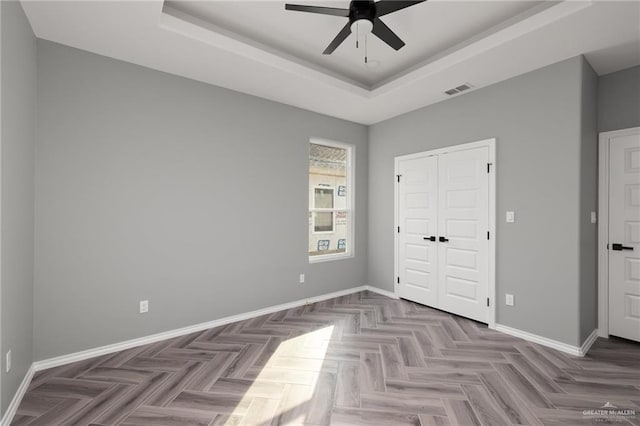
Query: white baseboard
{"type": "Point", "coordinates": [116, 347]}
{"type": "Point", "coordinates": [588, 342]}
{"type": "Point", "coordinates": [17, 398]}
{"type": "Point", "coordinates": [554, 344]}
{"type": "Point", "coordinates": [382, 292]}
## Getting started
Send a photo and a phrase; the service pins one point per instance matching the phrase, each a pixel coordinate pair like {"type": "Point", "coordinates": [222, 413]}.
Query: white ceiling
{"type": "Point", "coordinates": [259, 48]}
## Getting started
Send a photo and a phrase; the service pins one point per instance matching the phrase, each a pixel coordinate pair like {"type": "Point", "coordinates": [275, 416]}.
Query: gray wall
{"type": "Point", "coordinates": [536, 119]}
{"type": "Point", "coordinates": [588, 202]}
{"type": "Point", "coordinates": [619, 100]}
{"type": "Point", "coordinates": [152, 186]}
{"type": "Point", "coordinates": [17, 141]}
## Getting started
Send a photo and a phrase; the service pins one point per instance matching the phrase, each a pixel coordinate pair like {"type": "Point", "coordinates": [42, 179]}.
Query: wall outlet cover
{"type": "Point", "coordinates": [301, 278]}
{"type": "Point", "coordinates": [511, 217]}
{"type": "Point", "coordinates": [144, 306]}
{"type": "Point", "coordinates": [594, 217]}
{"type": "Point", "coordinates": [509, 300]}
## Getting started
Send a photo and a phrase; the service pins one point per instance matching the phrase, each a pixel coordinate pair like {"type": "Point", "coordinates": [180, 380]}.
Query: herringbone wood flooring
{"type": "Point", "coordinates": [357, 359]}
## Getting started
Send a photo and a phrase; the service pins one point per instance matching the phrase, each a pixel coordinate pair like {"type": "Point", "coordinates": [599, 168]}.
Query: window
{"type": "Point", "coordinates": [330, 200]}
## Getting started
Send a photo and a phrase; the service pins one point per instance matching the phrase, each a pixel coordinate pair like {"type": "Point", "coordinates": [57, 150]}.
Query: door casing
{"type": "Point", "coordinates": [491, 145]}
{"type": "Point", "coordinates": [603, 225]}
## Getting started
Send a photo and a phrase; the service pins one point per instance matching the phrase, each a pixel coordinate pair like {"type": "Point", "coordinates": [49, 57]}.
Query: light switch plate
{"type": "Point", "coordinates": [144, 306]}
{"type": "Point", "coordinates": [594, 217]}
{"type": "Point", "coordinates": [511, 217]}
{"type": "Point", "coordinates": [301, 278]}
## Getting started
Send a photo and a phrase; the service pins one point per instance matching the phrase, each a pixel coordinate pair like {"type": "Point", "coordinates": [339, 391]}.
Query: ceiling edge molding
{"type": "Point", "coordinates": [189, 26]}
{"type": "Point", "coordinates": [522, 24]}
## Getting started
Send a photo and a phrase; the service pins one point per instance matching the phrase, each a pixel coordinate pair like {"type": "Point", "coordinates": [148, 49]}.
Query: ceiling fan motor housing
{"type": "Point", "coordinates": [362, 9]}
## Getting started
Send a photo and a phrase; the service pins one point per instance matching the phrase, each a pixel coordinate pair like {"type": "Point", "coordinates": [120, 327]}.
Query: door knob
{"type": "Point", "coordinates": [620, 247]}
{"type": "Point", "coordinates": [443, 239]}
{"type": "Point", "coordinates": [431, 238]}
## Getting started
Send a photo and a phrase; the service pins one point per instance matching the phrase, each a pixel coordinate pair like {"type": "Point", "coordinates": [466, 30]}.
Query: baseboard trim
{"type": "Point", "coordinates": [116, 347]}
{"type": "Point", "coordinates": [554, 344]}
{"type": "Point", "coordinates": [17, 398]}
{"type": "Point", "coordinates": [589, 342]}
{"type": "Point", "coordinates": [107, 349]}
{"type": "Point", "coordinates": [382, 292]}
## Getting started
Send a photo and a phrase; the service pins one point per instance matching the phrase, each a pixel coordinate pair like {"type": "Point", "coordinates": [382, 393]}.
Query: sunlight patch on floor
{"type": "Point", "coordinates": [295, 364]}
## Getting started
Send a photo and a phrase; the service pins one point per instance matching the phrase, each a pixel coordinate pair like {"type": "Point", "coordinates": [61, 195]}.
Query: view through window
{"type": "Point", "coordinates": [330, 217]}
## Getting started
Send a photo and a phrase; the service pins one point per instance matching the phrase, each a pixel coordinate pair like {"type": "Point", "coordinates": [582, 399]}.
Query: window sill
{"type": "Point", "coordinates": [330, 257]}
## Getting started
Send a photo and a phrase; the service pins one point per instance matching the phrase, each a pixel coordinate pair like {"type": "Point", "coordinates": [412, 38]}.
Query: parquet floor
{"type": "Point", "coordinates": [361, 359]}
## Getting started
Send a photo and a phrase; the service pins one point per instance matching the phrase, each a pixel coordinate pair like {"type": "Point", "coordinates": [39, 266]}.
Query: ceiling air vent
{"type": "Point", "coordinates": [461, 88]}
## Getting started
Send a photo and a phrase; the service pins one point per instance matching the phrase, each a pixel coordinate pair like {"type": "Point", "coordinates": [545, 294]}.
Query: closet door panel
{"type": "Point", "coordinates": [463, 222]}
{"type": "Point", "coordinates": [417, 218]}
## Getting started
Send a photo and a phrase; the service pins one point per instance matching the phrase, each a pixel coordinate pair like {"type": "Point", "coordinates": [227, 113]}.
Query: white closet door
{"type": "Point", "coordinates": [417, 218]}
{"type": "Point", "coordinates": [463, 220]}
{"type": "Point", "coordinates": [624, 237]}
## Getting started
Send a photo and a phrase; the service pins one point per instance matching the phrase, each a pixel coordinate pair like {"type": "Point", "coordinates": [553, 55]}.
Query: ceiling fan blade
{"type": "Point", "coordinates": [385, 7]}
{"type": "Point", "coordinates": [342, 35]}
{"type": "Point", "coordinates": [318, 9]}
{"type": "Point", "coordinates": [385, 34]}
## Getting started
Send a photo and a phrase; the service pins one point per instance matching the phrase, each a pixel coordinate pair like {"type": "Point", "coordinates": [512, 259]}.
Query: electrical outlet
{"type": "Point", "coordinates": [509, 301]}
{"type": "Point", "coordinates": [594, 217]}
{"type": "Point", "coordinates": [144, 306]}
{"type": "Point", "coordinates": [8, 361]}
{"type": "Point", "coordinates": [301, 278]}
{"type": "Point", "coordinates": [511, 217]}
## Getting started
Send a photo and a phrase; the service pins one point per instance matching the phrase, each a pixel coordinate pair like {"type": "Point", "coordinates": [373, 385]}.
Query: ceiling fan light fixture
{"type": "Point", "coordinates": [362, 26]}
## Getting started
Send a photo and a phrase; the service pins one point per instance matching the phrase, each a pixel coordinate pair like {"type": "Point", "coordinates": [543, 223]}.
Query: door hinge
{"type": "Point", "coordinates": [398, 229]}
{"type": "Point", "coordinates": [398, 280]}
{"type": "Point", "coordinates": [487, 235]}
{"type": "Point", "coordinates": [487, 301]}
{"type": "Point", "coordinates": [489, 167]}
{"type": "Point", "coordinates": [398, 176]}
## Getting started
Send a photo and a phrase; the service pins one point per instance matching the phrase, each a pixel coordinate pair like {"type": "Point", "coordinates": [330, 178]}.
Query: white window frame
{"type": "Point", "coordinates": [349, 204]}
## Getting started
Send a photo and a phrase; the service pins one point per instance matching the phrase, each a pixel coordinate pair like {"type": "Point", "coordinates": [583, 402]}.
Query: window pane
{"type": "Point", "coordinates": [323, 198]}
{"type": "Point", "coordinates": [323, 222]}
{"type": "Point", "coordinates": [328, 240]}
{"type": "Point", "coordinates": [328, 171]}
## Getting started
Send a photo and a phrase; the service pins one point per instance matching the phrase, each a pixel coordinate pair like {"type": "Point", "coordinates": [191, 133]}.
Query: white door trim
{"type": "Point", "coordinates": [491, 144]}
{"type": "Point", "coordinates": [603, 225]}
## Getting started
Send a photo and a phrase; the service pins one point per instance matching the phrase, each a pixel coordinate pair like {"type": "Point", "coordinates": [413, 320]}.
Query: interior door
{"type": "Point", "coordinates": [463, 249]}
{"type": "Point", "coordinates": [624, 236]}
{"type": "Point", "coordinates": [417, 219]}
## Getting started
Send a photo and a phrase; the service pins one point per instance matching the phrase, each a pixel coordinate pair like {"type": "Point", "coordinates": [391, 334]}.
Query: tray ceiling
{"type": "Point", "coordinates": [428, 29]}
{"type": "Point", "coordinates": [260, 49]}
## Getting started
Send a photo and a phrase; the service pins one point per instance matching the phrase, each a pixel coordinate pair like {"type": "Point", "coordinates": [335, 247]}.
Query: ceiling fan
{"type": "Point", "coordinates": [364, 17]}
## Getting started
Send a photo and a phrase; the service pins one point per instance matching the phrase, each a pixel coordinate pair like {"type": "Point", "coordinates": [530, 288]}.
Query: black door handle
{"type": "Point", "coordinates": [443, 239]}
{"type": "Point", "coordinates": [620, 247]}
{"type": "Point", "coordinates": [431, 238]}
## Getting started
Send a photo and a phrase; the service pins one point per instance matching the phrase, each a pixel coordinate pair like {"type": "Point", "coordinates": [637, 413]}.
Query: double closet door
{"type": "Point", "coordinates": [442, 244]}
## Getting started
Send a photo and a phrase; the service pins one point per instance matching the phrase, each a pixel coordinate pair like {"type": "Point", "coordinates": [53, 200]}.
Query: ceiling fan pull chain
{"type": "Point", "coordinates": [365, 50]}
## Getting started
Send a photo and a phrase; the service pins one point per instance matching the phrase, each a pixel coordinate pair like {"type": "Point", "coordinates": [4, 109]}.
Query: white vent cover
{"type": "Point", "coordinates": [458, 89]}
